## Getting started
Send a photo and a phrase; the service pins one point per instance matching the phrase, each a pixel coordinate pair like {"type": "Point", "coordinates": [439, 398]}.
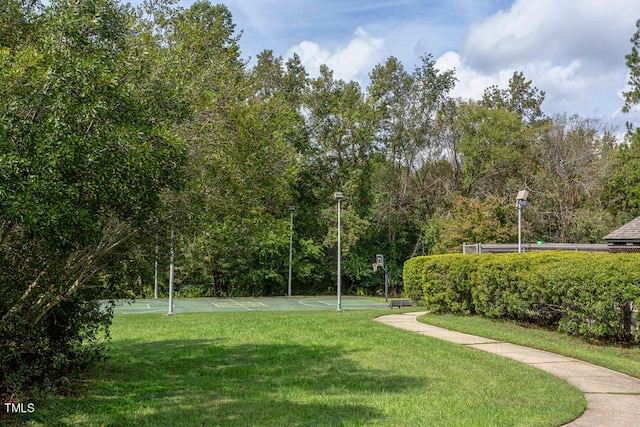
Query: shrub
{"type": "Point", "coordinates": [586, 294]}
{"type": "Point", "coordinates": [72, 336]}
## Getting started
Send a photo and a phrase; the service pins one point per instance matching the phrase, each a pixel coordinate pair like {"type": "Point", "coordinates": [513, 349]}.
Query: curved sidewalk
{"type": "Point", "coordinates": [613, 399]}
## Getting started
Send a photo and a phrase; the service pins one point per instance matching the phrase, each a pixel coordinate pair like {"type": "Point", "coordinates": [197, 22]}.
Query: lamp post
{"type": "Point", "coordinates": [155, 273]}
{"type": "Point", "coordinates": [339, 196]}
{"type": "Point", "coordinates": [171, 259]}
{"type": "Point", "coordinates": [521, 202]}
{"type": "Point", "coordinates": [291, 209]}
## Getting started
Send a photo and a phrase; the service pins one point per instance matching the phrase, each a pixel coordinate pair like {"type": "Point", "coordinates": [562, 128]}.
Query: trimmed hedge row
{"type": "Point", "coordinates": [586, 294]}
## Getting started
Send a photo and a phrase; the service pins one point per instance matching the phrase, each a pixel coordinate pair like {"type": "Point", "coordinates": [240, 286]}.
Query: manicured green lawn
{"type": "Point", "coordinates": [302, 369]}
{"type": "Point", "coordinates": [621, 359]}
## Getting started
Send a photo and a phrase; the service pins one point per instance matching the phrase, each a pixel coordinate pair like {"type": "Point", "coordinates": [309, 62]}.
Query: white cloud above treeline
{"type": "Point", "coordinates": [571, 49]}
{"type": "Point", "coordinates": [351, 62]}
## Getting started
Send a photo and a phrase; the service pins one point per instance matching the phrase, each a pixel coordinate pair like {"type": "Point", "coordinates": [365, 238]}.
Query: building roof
{"type": "Point", "coordinates": [629, 232]}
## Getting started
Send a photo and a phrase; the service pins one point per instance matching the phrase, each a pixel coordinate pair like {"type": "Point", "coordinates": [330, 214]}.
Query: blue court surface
{"type": "Point", "coordinates": [199, 305]}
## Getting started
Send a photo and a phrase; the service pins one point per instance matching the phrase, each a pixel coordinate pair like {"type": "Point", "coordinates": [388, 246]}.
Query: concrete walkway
{"type": "Point", "coordinates": [613, 399]}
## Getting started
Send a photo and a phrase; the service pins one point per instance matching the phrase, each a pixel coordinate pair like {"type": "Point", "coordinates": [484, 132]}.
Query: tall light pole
{"type": "Point", "coordinates": [155, 273]}
{"type": "Point", "coordinates": [171, 259]}
{"type": "Point", "coordinates": [291, 209]}
{"type": "Point", "coordinates": [521, 202]}
{"type": "Point", "coordinates": [339, 196]}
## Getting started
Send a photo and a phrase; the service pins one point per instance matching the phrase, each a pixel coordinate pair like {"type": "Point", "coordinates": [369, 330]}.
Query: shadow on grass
{"type": "Point", "coordinates": [210, 383]}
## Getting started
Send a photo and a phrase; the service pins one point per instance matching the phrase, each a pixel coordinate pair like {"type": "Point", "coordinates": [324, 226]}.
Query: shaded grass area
{"type": "Point", "coordinates": [302, 369]}
{"type": "Point", "coordinates": [621, 359]}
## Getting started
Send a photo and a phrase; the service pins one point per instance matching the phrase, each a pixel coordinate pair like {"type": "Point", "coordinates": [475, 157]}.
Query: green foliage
{"type": "Point", "coordinates": [622, 191]}
{"type": "Point", "coordinates": [572, 162]}
{"type": "Point", "coordinates": [475, 221]}
{"type": "Point", "coordinates": [85, 151]}
{"type": "Point", "coordinates": [590, 295]}
{"type": "Point", "coordinates": [491, 147]}
{"type": "Point", "coordinates": [632, 96]}
{"type": "Point", "coordinates": [520, 98]}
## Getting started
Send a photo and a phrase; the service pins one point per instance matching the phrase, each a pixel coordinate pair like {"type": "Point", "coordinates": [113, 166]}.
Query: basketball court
{"type": "Point", "coordinates": [199, 305]}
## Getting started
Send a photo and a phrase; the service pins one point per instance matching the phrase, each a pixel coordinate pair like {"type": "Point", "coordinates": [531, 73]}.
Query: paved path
{"type": "Point", "coordinates": [613, 399]}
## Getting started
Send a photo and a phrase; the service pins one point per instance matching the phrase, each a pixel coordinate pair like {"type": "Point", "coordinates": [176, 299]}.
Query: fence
{"type": "Point", "coordinates": [498, 248]}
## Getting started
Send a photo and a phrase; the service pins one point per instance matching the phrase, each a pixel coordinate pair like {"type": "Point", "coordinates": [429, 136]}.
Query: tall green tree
{"type": "Point", "coordinates": [407, 104]}
{"type": "Point", "coordinates": [632, 96]}
{"type": "Point", "coordinates": [84, 153]}
{"type": "Point", "coordinates": [573, 161]}
{"type": "Point", "coordinates": [491, 150]}
{"type": "Point", "coordinates": [472, 220]}
{"type": "Point", "coordinates": [623, 187]}
{"type": "Point", "coordinates": [242, 158]}
{"type": "Point", "coordinates": [622, 190]}
{"type": "Point", "coordinates": [520, 97]}
{"type": "Point", "coordinates": [341, 126]}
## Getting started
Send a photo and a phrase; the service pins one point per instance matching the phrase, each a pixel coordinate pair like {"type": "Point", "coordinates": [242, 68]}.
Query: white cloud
{"type": "Point", "coordinates": [561, 31]}
{"type": "Point", "coordinates": [572, 50]}
{"type": "Point", "coordinates": [470, 83]}
{"type": "Point", "coordinates": [351, 62]}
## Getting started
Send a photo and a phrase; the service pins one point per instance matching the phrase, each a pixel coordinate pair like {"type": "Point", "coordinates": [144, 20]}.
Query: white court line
{"type": "Point", "coordinates": [314, 302]}
{"type": "Point", "coordinates": [142, 311]}
{"type": "Point", "coordinates": [235, 302]}
{"type": "Point", "coordinates": [141, 306]}
{"type": "Point", "coordinates": [352, 304]}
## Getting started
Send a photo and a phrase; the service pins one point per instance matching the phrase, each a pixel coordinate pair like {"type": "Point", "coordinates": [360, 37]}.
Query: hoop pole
{"type": "Point", "coordinates": [290, 253]}
{"type": "Point", "coordinates": [171, 273]}
{"type": "Point", "coordinates": [386, 283]}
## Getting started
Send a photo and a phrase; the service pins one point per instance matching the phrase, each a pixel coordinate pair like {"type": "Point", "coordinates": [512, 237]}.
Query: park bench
{"type": "Point", "coordinates": [400, 303]}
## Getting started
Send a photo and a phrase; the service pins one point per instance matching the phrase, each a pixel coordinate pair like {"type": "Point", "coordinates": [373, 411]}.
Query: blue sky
{"type": "Point", "coordinates": [571, 49]}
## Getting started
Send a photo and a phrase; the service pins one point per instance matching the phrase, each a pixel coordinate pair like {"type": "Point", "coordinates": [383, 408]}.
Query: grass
{"type": "Point", "coordinates": [302, 369]}
{"type": "Point", "coordinates": [621, 359]}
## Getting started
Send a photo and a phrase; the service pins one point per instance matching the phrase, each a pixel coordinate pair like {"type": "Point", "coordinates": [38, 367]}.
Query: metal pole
{"type": "Point", "coordinates": [521, 202]}
{"type": "Point", "coordinates": [339, 196]}
{"type": "Point", "coordinates": [519, 226]}
{"type": "Point", "coordinates": [339, 261]}
{"type": "Point", "coordinates": [290, 250]}
{"type": "Point", "coordinates": [386, 283]}
{"type": "Point", "coordinates": [155, 274]}
{"type": "Point", "coordinates": [171, 258]}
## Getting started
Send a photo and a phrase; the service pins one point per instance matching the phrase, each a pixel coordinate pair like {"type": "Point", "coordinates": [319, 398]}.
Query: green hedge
{"type": "Point", "coordinates": [587, 294]}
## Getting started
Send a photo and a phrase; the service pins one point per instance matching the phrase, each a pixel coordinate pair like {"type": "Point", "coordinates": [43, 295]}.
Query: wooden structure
{"type": "Point", "coordinates": [625, 238]}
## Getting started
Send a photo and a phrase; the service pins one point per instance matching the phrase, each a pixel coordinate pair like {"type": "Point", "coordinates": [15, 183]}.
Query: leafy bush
{"type": "Point", "coordinates": [585, 294]}
{"type": "Point", "coordinates": [86, 150]}
{"type": "Point", "coordinates": [70, 338]}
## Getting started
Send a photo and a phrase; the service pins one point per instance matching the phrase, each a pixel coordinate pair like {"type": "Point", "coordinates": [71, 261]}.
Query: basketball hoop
{"type": "Point", "coordinates": [380, 263]}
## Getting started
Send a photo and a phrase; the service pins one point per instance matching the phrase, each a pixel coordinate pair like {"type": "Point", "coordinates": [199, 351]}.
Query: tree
{"type": "Point", "coordinates": [341, 129]}
{"type": "Point", "coordinates": [622, 188]}
{"type": "Point", "coordinates": [632, 96]}
{"type": "Point", "coordinates": [622, 192]}
{"type": "Point", "coordinates": [573, 160]}
{"type": "Point", "coordinates": [407, 105]}
{"type": "Point", "coordinates": [474, 221]}
{"type": "Point", "coordinates": [84, 152]}
{"type": "Point", "coordinates": [242, 158]}
{"type": "Point", "coordinates": [492, 150]}
{"type": "Point", "coordinates": [520, 97]}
